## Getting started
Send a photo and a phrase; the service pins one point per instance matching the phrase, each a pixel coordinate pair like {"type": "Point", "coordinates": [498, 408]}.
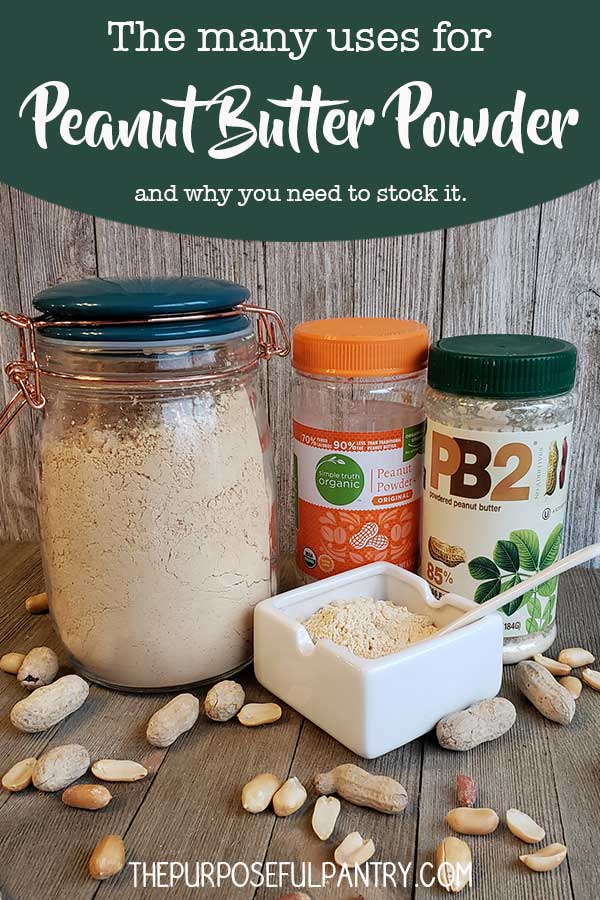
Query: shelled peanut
{"type": "Point", "coordinates": [19, 775]}
{"type": "Point", "coordinates": [11, 662]}
{"type": "Point", "coordinates": [469, 820]}
{"type": "Point", "coordinates": [354, 850]}
{"type": "Point", "coordinates": [546, 859]}
{"type": "Point", "coordinates": [262, 790]}
{"type": "Point", "coordinates": [87, 796]}
{"type": "Point", "coordinates": [524, 827]}
{"type": "Point", "coordinates": [592, 678]}
{"type": "Point", "coordinates": [258, 793]}
{"type": "Point", "coordinates": [454, 864]}
{"type": "Point", "coordinates": [572, 684]}
{"type": "Point", "coordinates": [555, 667]}
{"type": "Point", "coordinates": [324, 817]}
{"type": "Point", "coordinates": [118, 770]}
{"type": "Point", "coordinates": [254, 714]}
{"type": "Point", "coordinates": [37, 603]}
{"type": "Point", "coordinates": [108, 857]}
{"type": "Point", "coordinates": [466, 790]}
{"type": "Point", "coordinates": [576, 657]}
{"type": "Point", "coordinates": [290, 797]}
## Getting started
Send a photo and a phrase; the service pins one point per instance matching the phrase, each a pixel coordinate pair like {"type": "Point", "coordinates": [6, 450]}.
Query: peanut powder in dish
{"type": "Point", "coordinates": [156, 537]}
{"type": "Point", "coordinates": [369, 628]}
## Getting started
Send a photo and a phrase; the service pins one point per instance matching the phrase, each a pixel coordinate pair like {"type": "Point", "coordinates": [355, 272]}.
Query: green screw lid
{"type": "Point", "coordinates": [514, 366]}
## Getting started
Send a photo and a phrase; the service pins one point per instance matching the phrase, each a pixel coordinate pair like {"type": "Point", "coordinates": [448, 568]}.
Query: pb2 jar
{"type": "Point", "coordinates": [497, 453]}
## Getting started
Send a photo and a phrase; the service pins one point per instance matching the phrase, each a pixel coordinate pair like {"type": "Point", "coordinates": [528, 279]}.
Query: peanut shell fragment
{"type": "Point", "coordinates": [572, 684]}
{"type": "Point", "coordinates": [117, 770]}
{"type": "Point", "coordinates": [11, 662]}
{"type": "Point", "coordinates": [554, 666]}
{"type": "Point", "coordinates": [253, 714]}
{"type": "Point", "coordinates": [454, 864]}
{"type": "Point", "coordinates": [546, 859]}
{"type": "Point", "coordinates": [37, 603]}
{"type": "Point", "coordinates": [289, 798]}
{"type": "Point", "coordinates": [524, 827]}
{"type": "Point", "coordinates": [224, 701]}
{"type": "Point", "coordinates": [324, 817]}
{"type": "Point", "coordinates": [108, 857]}
{"type": "Point", "coordinates": [258, 793]}
{"type": "Point", "coordinates": [87, 796]}
{"type": "Point", "coordinates": [576, 657]}
{"type": "Point", "coordinates": [354, 850]}
{"type": "Point", "coordinates": [19, 776]}
{"type": "Point", "coordinates": [465, 820]}
{"type": "Point", "coordinates": [591, 678]}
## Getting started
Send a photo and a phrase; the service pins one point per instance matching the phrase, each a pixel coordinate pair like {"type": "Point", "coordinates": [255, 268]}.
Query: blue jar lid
{"type": "Point", "coordinates": [114, 299]}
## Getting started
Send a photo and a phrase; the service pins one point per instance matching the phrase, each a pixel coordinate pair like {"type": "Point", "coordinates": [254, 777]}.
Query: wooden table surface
{"type": "Point", "coordinates": [188, 809]}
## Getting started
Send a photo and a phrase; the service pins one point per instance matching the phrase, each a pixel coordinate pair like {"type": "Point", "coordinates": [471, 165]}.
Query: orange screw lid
{"type": "Point", "coordinates": [358, 348]}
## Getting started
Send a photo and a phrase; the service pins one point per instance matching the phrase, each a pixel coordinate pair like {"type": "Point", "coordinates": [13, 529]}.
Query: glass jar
{"type": "Point", "coordinates": [499, 410]}
{"type": "Point", "coordinates": [358, 443]}
{"type": "Point", "coordinates": [155, 488]}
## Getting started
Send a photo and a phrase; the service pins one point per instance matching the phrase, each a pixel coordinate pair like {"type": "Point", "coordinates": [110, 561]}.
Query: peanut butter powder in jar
{"type": "Point", "coordinates": [155, 492]}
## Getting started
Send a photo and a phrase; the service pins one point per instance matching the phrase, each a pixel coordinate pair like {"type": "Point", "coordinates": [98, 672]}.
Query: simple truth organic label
{"type": "Point", "coordinates": [493, 513]}
{"type": "Point", "coordinates": [358, 498]}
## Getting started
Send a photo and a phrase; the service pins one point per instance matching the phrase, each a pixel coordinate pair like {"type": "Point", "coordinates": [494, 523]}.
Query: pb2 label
{"type": "Point", "coordinates": [493, 514]}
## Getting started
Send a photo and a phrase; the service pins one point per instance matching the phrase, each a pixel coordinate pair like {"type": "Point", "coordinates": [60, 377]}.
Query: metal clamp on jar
{"type": "Point", "coordinates": [155, 487]}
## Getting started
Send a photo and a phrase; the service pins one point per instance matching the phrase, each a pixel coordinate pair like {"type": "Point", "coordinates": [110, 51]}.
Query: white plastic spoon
{"type": "Point", "coordinates": [490, 606]}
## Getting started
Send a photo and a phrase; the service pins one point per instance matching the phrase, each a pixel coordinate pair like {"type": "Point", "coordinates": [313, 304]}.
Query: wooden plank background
{"type": "Point", "coordinates": [534, 271]}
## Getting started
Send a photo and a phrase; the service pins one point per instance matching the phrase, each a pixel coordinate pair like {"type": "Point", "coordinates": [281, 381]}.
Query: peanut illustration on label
{"type": "Point", "coordinates": [368, 536]}
{"type": "Point", "coordinates": [552, 469]}
{"type": "Point", "coordinates": [446, 553]}
{"type": "Point", "coordinates": [379, 542]}
{"type": "Point", "coordinates": [362, 537]}
{"type": "Point", "coordinates": [563, 463]}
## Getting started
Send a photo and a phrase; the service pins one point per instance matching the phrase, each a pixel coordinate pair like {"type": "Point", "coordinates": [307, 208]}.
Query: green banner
{"type": "Point", "coordinates": [314, 122]}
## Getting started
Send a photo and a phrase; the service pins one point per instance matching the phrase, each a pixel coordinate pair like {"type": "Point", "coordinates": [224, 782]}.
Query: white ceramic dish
{"type": "Point", "coordinates": [373, 706]}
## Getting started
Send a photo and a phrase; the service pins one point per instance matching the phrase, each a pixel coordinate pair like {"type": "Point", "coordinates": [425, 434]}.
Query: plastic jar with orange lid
{"type": "Point", "coordinates": [358, 435]}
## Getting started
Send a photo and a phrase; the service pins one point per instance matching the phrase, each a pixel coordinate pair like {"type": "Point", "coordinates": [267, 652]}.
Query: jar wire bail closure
{"type": "Point", "coordinates": [25, 373]}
